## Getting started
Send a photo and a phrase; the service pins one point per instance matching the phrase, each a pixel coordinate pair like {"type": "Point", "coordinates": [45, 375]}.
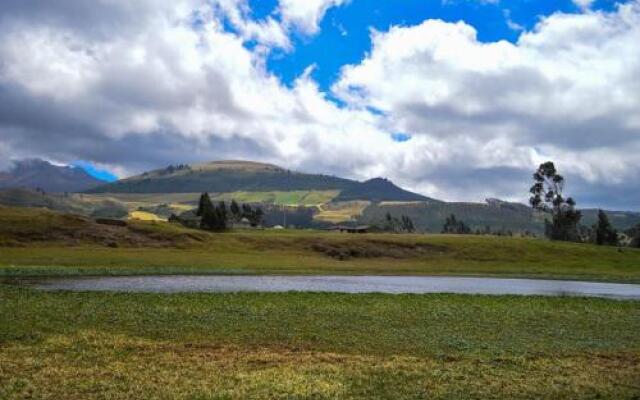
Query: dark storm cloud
{"type": "Point", "coordinates": [101, 20]}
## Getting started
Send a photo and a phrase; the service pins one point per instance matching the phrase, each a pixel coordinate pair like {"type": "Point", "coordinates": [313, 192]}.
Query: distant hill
{"type": "Point", "coordinates": [246, 176]}
{"type": "Point", "coordinates": [323, 199]}
{"type": "Point", "coordinates": [223, 177]}
{"type": "Point", "coordinates": [69, 203]}
{"type": "Point", "coordinates": [495, 214]}
{"type": "Point", "coordinates": [40, 174]}
{"type": "Point", "coordinates": [378, 190]}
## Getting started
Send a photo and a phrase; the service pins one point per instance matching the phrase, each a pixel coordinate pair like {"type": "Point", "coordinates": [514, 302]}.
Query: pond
{"type": "Point", "coordinates": [342, 284]}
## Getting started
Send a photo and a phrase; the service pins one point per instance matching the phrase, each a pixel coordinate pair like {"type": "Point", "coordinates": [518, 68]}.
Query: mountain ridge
{"type": "Point", "coordinates": [39, 174]}
{"type": "Point", "coordinates": [237, 175]}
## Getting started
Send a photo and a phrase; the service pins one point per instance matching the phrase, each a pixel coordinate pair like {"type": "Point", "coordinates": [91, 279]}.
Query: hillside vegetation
{"type": "Point", "coordinates": [326, 199]}
{"type": "Point", "coordinates": [39, 242]}
{"type": "Point", "coordinates": [223, 177]}
{"type": "Point", "coordinates": [378, 190]}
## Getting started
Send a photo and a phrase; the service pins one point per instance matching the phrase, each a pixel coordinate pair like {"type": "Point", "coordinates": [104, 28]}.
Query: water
{"type": "Point", "coordinates": [343, 284]}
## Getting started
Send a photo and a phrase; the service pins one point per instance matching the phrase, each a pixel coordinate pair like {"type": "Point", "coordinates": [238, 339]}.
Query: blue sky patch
{"type": "Point", "coordinates": [400, 137]}
{"type": "Point", "coordinates": [94, 171]}
{"type": "Point", "coordinates": [344, 36]}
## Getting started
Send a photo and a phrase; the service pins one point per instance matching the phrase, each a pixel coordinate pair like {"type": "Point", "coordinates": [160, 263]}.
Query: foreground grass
{"type": "Point", "coordinates": [315, 346]}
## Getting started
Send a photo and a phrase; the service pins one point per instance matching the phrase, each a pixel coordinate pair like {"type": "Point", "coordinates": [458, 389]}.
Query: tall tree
{"type": "Point", "coordinates": [453, 225]}
{"type": "Point", "coordinates": [546, 196]}
{"type": "Point", "coordinates": [204, 205]}
{"type": "Point", "coordinates": [407, 224]}
{"type": "Point", "coordinates": [235, 211]}
{"type": "Point", "coordinates": [246, 211]}
{"type": "Point", "coordinates": [222, 212]}
{"type": "Point", "coordinates": [605, 234]}
{"type": "Point", "coordinates": [256, 215]}
{"type": "Point", "coordinates": [214, 218]}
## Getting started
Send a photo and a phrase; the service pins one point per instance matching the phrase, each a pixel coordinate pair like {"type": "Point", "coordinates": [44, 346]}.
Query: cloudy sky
{"type": "Point", "coordinates": [455, 99]}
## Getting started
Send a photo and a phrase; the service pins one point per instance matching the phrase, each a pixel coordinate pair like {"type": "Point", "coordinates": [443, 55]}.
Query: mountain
{"type": "Point", "coordinates": [430, 216]}
{"type": "Point", "coordinates": [40, 174]}
{"type": "Point", "coordinates": [377, 190]}
{"type": "Point", "coordinates": [247, 176]}
{"type": "Point", "coordinates": [495, 214]}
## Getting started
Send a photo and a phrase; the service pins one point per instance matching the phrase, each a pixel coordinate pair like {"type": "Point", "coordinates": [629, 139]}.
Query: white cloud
{"type": "Point", "coordinates": [570, 86]}
{"type": "Point", "coordinates": [175, 86]}
{"type": "Point", "coordinates": [306, 14]}
{"type": "Point", "coordinates": [583, 4]}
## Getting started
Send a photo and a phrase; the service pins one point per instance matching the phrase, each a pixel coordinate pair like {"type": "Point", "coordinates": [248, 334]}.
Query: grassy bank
{"type": "Point", "coordinates": [37, 242]}
{"type": "Point", "coordinates": [315, 346]}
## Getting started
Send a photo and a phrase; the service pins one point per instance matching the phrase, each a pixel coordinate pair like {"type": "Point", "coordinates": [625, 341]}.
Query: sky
{"type": "Point", "coordinates": [455, 99]}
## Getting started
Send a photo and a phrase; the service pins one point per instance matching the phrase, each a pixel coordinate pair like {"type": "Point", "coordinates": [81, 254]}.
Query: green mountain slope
{"type": "Point", "coordinates": [497, 215]}
{"type": "Point", "coordinates": [223, 177]}
{"type": "Point", "coordinates": [378, 190]}
{"type": "Point", "coordinates": [68, 203]}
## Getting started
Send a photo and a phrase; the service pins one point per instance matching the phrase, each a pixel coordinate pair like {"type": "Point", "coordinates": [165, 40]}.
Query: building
{"type": "Point", "coordinates": [350, 229]}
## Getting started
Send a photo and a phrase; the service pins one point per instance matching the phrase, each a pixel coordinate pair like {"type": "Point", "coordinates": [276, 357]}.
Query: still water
{"type": "Point", "coordinates": [342, 284]}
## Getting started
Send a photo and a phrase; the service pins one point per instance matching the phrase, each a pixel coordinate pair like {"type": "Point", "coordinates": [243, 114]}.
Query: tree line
{"type": "Point", "coordinates": [547, 196]}
{"type": "Point", "coordinates": [563, 219]}
{"type": "Point", "coordinates": [217, 217]}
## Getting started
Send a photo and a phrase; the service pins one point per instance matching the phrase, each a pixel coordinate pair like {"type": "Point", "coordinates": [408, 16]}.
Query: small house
{"type": "Point", "coordinates": [350, 229]}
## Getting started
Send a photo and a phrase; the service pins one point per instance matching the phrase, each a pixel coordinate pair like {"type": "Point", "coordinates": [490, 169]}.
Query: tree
{"type": "Point", "coordinates": [204, 205]}
{"type": "Point", "coordinates": [407, 224]}
{"type": "Point", "coordinates": [255, 217]}
{"type": "Point", "coordinates": [389, 226]}
{"type": "Point", "coordinates": [605, 234]}
{"type": "Point", "coordinates": [246, 211]}
{"type": "Point", "coordinates": [546, 196]}
{"type": "Point", "coordinates": [402, 225]}
{"type": "Point", "coordinates": [634, 235]}
{"type": "Point", "coordinates": [222, 212]}
{"type": "Point", "coordinates": [235, 211]}
{"type": "Point", "coordinates": [214, 218]}
{"type": "Point", "coordinates": [453, 225]}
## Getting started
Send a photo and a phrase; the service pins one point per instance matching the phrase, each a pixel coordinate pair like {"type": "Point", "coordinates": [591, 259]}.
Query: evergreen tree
{"type": "Point", "coordinates": [246, 211]}
{"type": "Point", "coordinates": [235, 211]}
{"type": "Point", "coordinates": [256, 217]}
{"type": "Point", "coordinates": [214, 218]}
{"type": "Point", "coordinates": [407, 224]}
{"type": "Point", "coordinates": [452, 225]}
{"type": "Point", "coordinates": [605, 234]}
{"type": "Point", "coordinates": [204, 205]}
{"type": "Point", "coordinates": [222, 212]}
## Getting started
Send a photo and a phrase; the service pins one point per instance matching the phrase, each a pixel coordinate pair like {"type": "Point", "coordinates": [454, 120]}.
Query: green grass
{"type": "Point", "coordinates": [69, 345]}
{"type": "Point", "coordinates": [315, 346]}
{"type": "Point", "coordinates": [288, 252]}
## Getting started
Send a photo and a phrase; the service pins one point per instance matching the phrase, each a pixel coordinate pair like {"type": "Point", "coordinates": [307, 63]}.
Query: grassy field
{"type": "Point", "coordinates": [66, 345]}
{"type": "Point", "coordinates": [39, 242]}
{"type": "Point", "coordinates": [315, 346]}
